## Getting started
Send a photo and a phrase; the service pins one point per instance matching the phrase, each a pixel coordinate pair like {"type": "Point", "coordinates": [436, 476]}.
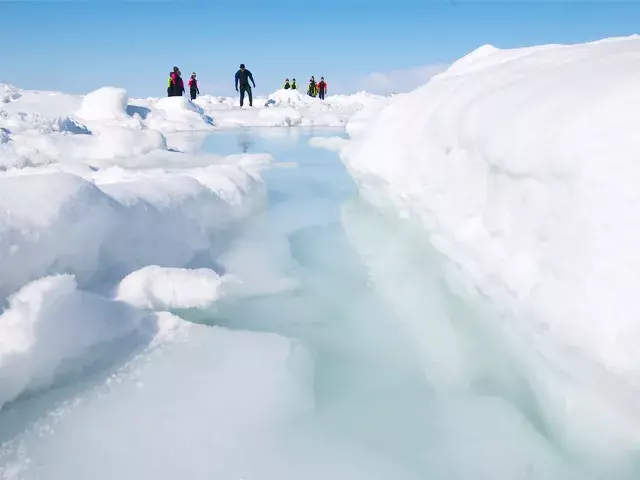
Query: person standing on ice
{"type": "Point", "coordinates": [178, 84]}
{"type": "Point", "coordinates": [286, 85]}
{"type": "Point", "coordinates": [312, 91]}
{"type": "Point", "coordinates": [322, 88]}
{"type": "Point", "coordinates": [170, 85]}
{"type": "Point", "coordinates": [193, 86]}
{"type": "Point", "coordinates": [294, 85]}
{"type": "Point", "coordinates": [242, 81]}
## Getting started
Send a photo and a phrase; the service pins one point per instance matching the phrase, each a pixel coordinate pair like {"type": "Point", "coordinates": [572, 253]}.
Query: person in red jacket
{"type": "Point", "coordinates": [322, 88]}
{"type": "Point", "coordinates": [176, 83]}
{"type": "Point", "coordinates": [193, 86]}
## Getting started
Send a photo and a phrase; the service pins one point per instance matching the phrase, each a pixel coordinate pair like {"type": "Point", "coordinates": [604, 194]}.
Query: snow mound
{"type": "Point", "coordinates": [118, 143]}
{"type": "Point", "coordinates": [46, 333]}
{"type": "Point", "coordinates": [290, 98]}
{"type": "Point", "coordinates": [523, 167]}
{"type": "Point", "coordinates": [178, 105]}
{"type": "Point", "coordinates": [52, 222]}
{"type": "Point", "coordinates": [160, 288]}
{"type": "Point", "coordinates": [177, 113]}
{"type": "Point", "coordinates": [8, 93]}
{"type": "Point", "coordinates": [106, 103]}
{"type": "Point", "coordinates": [22, 121]}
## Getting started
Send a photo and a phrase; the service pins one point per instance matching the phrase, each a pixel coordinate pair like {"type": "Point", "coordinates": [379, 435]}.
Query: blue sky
{"type": "Point", "coordinates": [382, 45]}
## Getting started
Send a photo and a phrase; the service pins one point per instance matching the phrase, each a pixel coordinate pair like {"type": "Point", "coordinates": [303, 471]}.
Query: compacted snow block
{"type": "Point", "coordinates": [48, 221]}
{"type": "Point", "coordinates": [160, 288]}
{"type": "Point", "coordinates": [121, 142]}
{"type": "Point", "coordinates": [178, 104]}
{"type": "Point", "coordinates": [106, 103]}
{"type": "Point", "coordinates": [178, 113]}
{"type": "Point", "coordinates": [291, 98]}
{"type": "Point", "coordinates": [51, 330]}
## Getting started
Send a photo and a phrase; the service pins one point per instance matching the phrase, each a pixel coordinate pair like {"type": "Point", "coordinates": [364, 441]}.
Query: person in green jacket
{"type": "Point", "coordinates": [312, 91]}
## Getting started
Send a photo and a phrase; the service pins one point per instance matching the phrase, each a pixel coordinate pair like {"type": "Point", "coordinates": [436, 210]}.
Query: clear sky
{"type": "Point", "coordinates": [383, 45]}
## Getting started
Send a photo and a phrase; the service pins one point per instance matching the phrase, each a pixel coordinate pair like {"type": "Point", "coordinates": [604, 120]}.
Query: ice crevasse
{"type": "Point", "coordinates": [522, 167]}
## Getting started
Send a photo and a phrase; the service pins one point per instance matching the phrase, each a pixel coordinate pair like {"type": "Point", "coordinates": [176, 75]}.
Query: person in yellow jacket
{"type": "Point", "coordinates": [294, 85]}
{"type": "Point", "coordinates": [312, 91]}
{"type": "Point", "coordinates": [286, 85]}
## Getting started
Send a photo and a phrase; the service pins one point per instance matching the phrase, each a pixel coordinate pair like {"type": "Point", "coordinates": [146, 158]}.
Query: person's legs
{"type": "Point", "coordinates": [250, 96]}
{"type": "Point", "coordinates": [242, 89]}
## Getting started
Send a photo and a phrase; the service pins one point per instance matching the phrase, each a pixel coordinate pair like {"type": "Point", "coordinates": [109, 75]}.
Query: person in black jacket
{"type": "Point", "coordinates": [242, 82]}
{"type": "Point", "coordinates": [178, 84]}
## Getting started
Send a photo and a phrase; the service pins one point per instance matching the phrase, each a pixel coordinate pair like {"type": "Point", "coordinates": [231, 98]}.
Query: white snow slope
{"type": "Point", "coordinates": [522, 166]}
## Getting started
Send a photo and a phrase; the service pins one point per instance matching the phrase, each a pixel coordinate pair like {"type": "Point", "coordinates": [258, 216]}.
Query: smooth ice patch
{"type": "Point", "coordinates": [330, 143]}
{"type": "Point", "coordinates": [181, 410]}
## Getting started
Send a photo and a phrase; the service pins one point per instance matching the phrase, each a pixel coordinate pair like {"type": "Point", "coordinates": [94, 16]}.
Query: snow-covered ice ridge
{"type": "Point", "coordinates": [523, 167]}
{"type": "Point", "coordinates": [106, 124]}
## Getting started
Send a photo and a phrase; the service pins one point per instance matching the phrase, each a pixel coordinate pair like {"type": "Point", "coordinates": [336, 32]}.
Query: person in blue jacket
{"type": "Point", "coordinates": [242, 82]}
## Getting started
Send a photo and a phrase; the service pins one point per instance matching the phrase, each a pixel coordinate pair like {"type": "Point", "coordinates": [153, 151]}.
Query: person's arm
{"type": "Point", "coordinates": [251, 77]}
{"type": "Point", "coordinates": [237, 80]}
{"type": "Point", "coordinates": [197, 88]}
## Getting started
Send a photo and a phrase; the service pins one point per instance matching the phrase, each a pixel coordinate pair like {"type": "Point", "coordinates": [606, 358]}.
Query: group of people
{"type": "Point", "coordinates": [315, 89]}
{"type": "Point", "coordinates": [243, 81]}
{"type": "Point", "coordinates": [293, 85]}
{"type": "Point", "coordinates": [318, 89]}
{"type": "Point", "coordinates": [176, 85]}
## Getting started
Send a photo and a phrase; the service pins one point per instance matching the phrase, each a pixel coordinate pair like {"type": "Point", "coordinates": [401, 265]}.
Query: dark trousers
{"type": "Point", "coordinates": [193, 94]}
{"type": "Point", "coordinates": [321, 94]}
{"type": "Point", "coordinates": [247, 89]}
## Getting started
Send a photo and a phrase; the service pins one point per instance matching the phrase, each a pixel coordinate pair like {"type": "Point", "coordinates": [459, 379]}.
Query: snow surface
{"type": "Point", "coordinates": [107, 205]}
{"type": "Point", "coordinates": [498, 314]}
{"type": "Point", "coordinates": [522, 166]}
{"type": "Point", "coordinates": [44, 333]}
{"type": "Point", "coordinates": [114, 126]}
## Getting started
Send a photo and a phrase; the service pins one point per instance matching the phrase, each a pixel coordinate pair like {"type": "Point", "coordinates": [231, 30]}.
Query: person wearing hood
{"type": "Point", "coordinates": [312, 90]}
{"type": "Point", "coordinates": [170, 85]}
{"type": "Point", "coordinates": [178, 84]}
{"type": "Point", "coordinates": [193, 86]}
{"type": "Point", "coordinates": [322, 88]}
{"type": "Point", "coordinates": [294, 85]}
{"type": "Point", "coordinates": [286, 85]}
